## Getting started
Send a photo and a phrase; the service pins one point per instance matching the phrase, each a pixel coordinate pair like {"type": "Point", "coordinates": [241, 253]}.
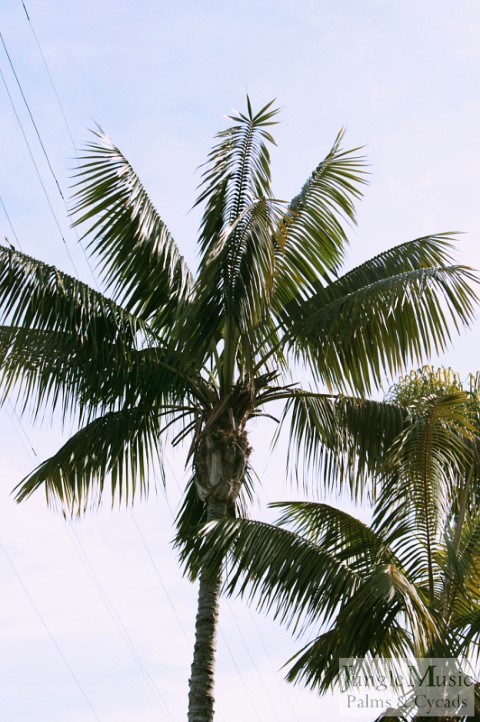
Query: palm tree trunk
{"type": "Point", "coordinates": [201, 695]}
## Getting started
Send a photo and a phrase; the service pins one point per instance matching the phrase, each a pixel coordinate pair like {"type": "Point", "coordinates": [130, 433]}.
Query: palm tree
{"type": "Point", "coordinates": [167, 354]}
{"type": "Point", "coordinates": [405, 586]}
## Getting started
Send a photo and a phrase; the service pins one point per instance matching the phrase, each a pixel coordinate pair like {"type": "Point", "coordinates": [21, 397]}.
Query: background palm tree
{"type": "Point", "coordinates": [406, 586]}
{"type": "Point", "coordinates": [164, 354]}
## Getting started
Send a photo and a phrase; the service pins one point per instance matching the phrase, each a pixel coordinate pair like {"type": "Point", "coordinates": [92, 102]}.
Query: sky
{"type": "Point", "coordinates": [96, 619]}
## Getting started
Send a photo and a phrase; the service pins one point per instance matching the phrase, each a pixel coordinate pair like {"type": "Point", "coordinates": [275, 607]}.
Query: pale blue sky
{"type": "Point", "coordinates": [402, 76]}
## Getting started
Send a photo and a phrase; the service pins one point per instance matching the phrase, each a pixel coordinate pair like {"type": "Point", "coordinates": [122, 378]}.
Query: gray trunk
{"type": "Point", "coordinates": [201, 695]}
{"type": "Point", "coordinates": [220, 462]}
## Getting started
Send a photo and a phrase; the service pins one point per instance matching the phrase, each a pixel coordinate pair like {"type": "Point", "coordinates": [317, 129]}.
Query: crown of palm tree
{"type": "Point", "coordinates": [198, 355]}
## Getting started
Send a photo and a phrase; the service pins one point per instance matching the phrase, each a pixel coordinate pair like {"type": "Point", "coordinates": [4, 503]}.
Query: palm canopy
{"type": "Point", "coordinates": [166, 349]}
{"type": "Point", "coordinates": [168, 354]}
{"type": "Point", "coordinates": [405, 586]}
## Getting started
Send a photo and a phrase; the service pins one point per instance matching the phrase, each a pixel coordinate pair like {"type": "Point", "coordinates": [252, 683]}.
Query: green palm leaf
{"type": "Point", "coordinates": [137, 254]}
{"type": "Point", "coordinates": [236, 273]}
{"type": "Point", "coordinates": [426, 458]}
{"type": "Point", "coordinates": [37, 296]}
{"type": "Point", "coordinates": [408, 311]}
{"type": "Point", "coordinates": [341, 439]}
{"type": "Point", "coordinates": [235, 283]}
{"type": "Point", "coordinates": [120, 447]}
{"type": "Point", "coordinates": [280, 570]}
{"type": "Point", "coordinates": [311, 239]}
{"type": "Point", "coordinates": [317, 664]}
{"type": "Point", "coordinates": [237, 172]}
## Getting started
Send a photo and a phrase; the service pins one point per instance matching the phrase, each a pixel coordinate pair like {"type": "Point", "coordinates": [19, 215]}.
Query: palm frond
{"type": "Point", "coordinates": [426, 460]}
{"type": "Point", "coordinates": [383, 315]}
{"type": "Point", "coordinates": [372, 622]}
{"type": "Point", "coordinates": [35, 295]}
{"type": "Point", "coordinates": [334, 530]}
{"type": "Point", "coordinates": [342, 440]}
{"type": "Point", "coordinates": [138, 257]}
{"type": "Point", "coordinates": [118, 448]}
{"type": "Point", "coordinates": [52, 368]}
{"type": "Point", "coordinates": [278, 570]}
{"type": "Point", "coordinates": [235, 278]}
{"type": "Point", "coordinates": [317, 664]}
{"type": "Point", "coordinates": [235, 283]}
{"type": "Point", "coordinates": [237, 173]}
{"type": "Point", "coordinates": [70, 345]}
{"type": "Point", "coordinates": [310, 236]}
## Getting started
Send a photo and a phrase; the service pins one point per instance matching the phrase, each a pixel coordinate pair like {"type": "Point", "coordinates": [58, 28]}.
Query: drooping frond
{"type": "Point", "coordinates": [317, 664]}
{"type": "Point", "coordinates": [117, 449]}
{"type": "Point", "coordinates": [333, 570]}
{"type": "Point", "coordinates": [342, 440]}
{"type": "Point", "coordinates": [426, 461]}
{"type": "Point", "coordinates": [53, 368]}
{"type": "Point", "coordinates": [369, 623]}
{"type": "Point", "coordinates": [385, 593]}
{"type": "Point", "coordinates": [279, 570]}
{"type": "Point", "coordinates": [37, 296]}
{"type": "Point", "coordinates": [351, 541]}
{"type": "Point", "coordinates": [64, 339]}
{"type": "Point", "coordinates": [311, 237]}
{"type": "Point", "coordinates": [138, 257]}
{"type": "Point", "coordinates": [382, 315]}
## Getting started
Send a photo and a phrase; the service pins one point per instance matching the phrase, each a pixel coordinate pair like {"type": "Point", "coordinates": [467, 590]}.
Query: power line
{"type": "Point", "coordinates": [50, 77]}
{"type": "Point", "coordinates": [29, 448]}
{"type": "Point", "coordinates": [31, 117]}
{"type": "Point", "coordinates": [120, 625]}
{"type": "Point", "coordinates": [254, 665]}
{"type": "Point", "coordinates": [52, 638]}
{"type": "Point", "coordinates": [150, 556]}
{"type": "Point", "coordinates": [244, 684]}
{"type": "Point", "coordinates": [69, 131]}
{"type": "Point", "coordinates": [107, 602]}
{"type": "Point", "coordinates": [38, 171]}
{"type": "Point", "coordinates": [275, 672]}
{"type": "Point", "coordinates": [39, 137]}
{"type": "Point", "coordinates": [10, 223]}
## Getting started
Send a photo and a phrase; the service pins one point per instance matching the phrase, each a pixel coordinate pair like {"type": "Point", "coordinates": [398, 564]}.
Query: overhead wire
{"type": "Point", "coordinates": [120, 625]}
{"type": "Point", "coordinates": [253, 663]}
{"type": "Point", "coordinates": [47, 629]}
{"type": "Point", "coordinates": [159, 576]}
{"type": "Point", "coordinates": [67, 125]}
{"type": "Point", "coordinates": [272, 667]}
{"type": "Point", "coordinates": [39, 137]}
{"type": "Point", "coordinates": [37, 170]}
{"type": "Point", "coordinates": [10, 223]}
{"type": "Point", "coordinates": [26, 438]}
{"type": "Point", "coordinates": [107, 602]}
